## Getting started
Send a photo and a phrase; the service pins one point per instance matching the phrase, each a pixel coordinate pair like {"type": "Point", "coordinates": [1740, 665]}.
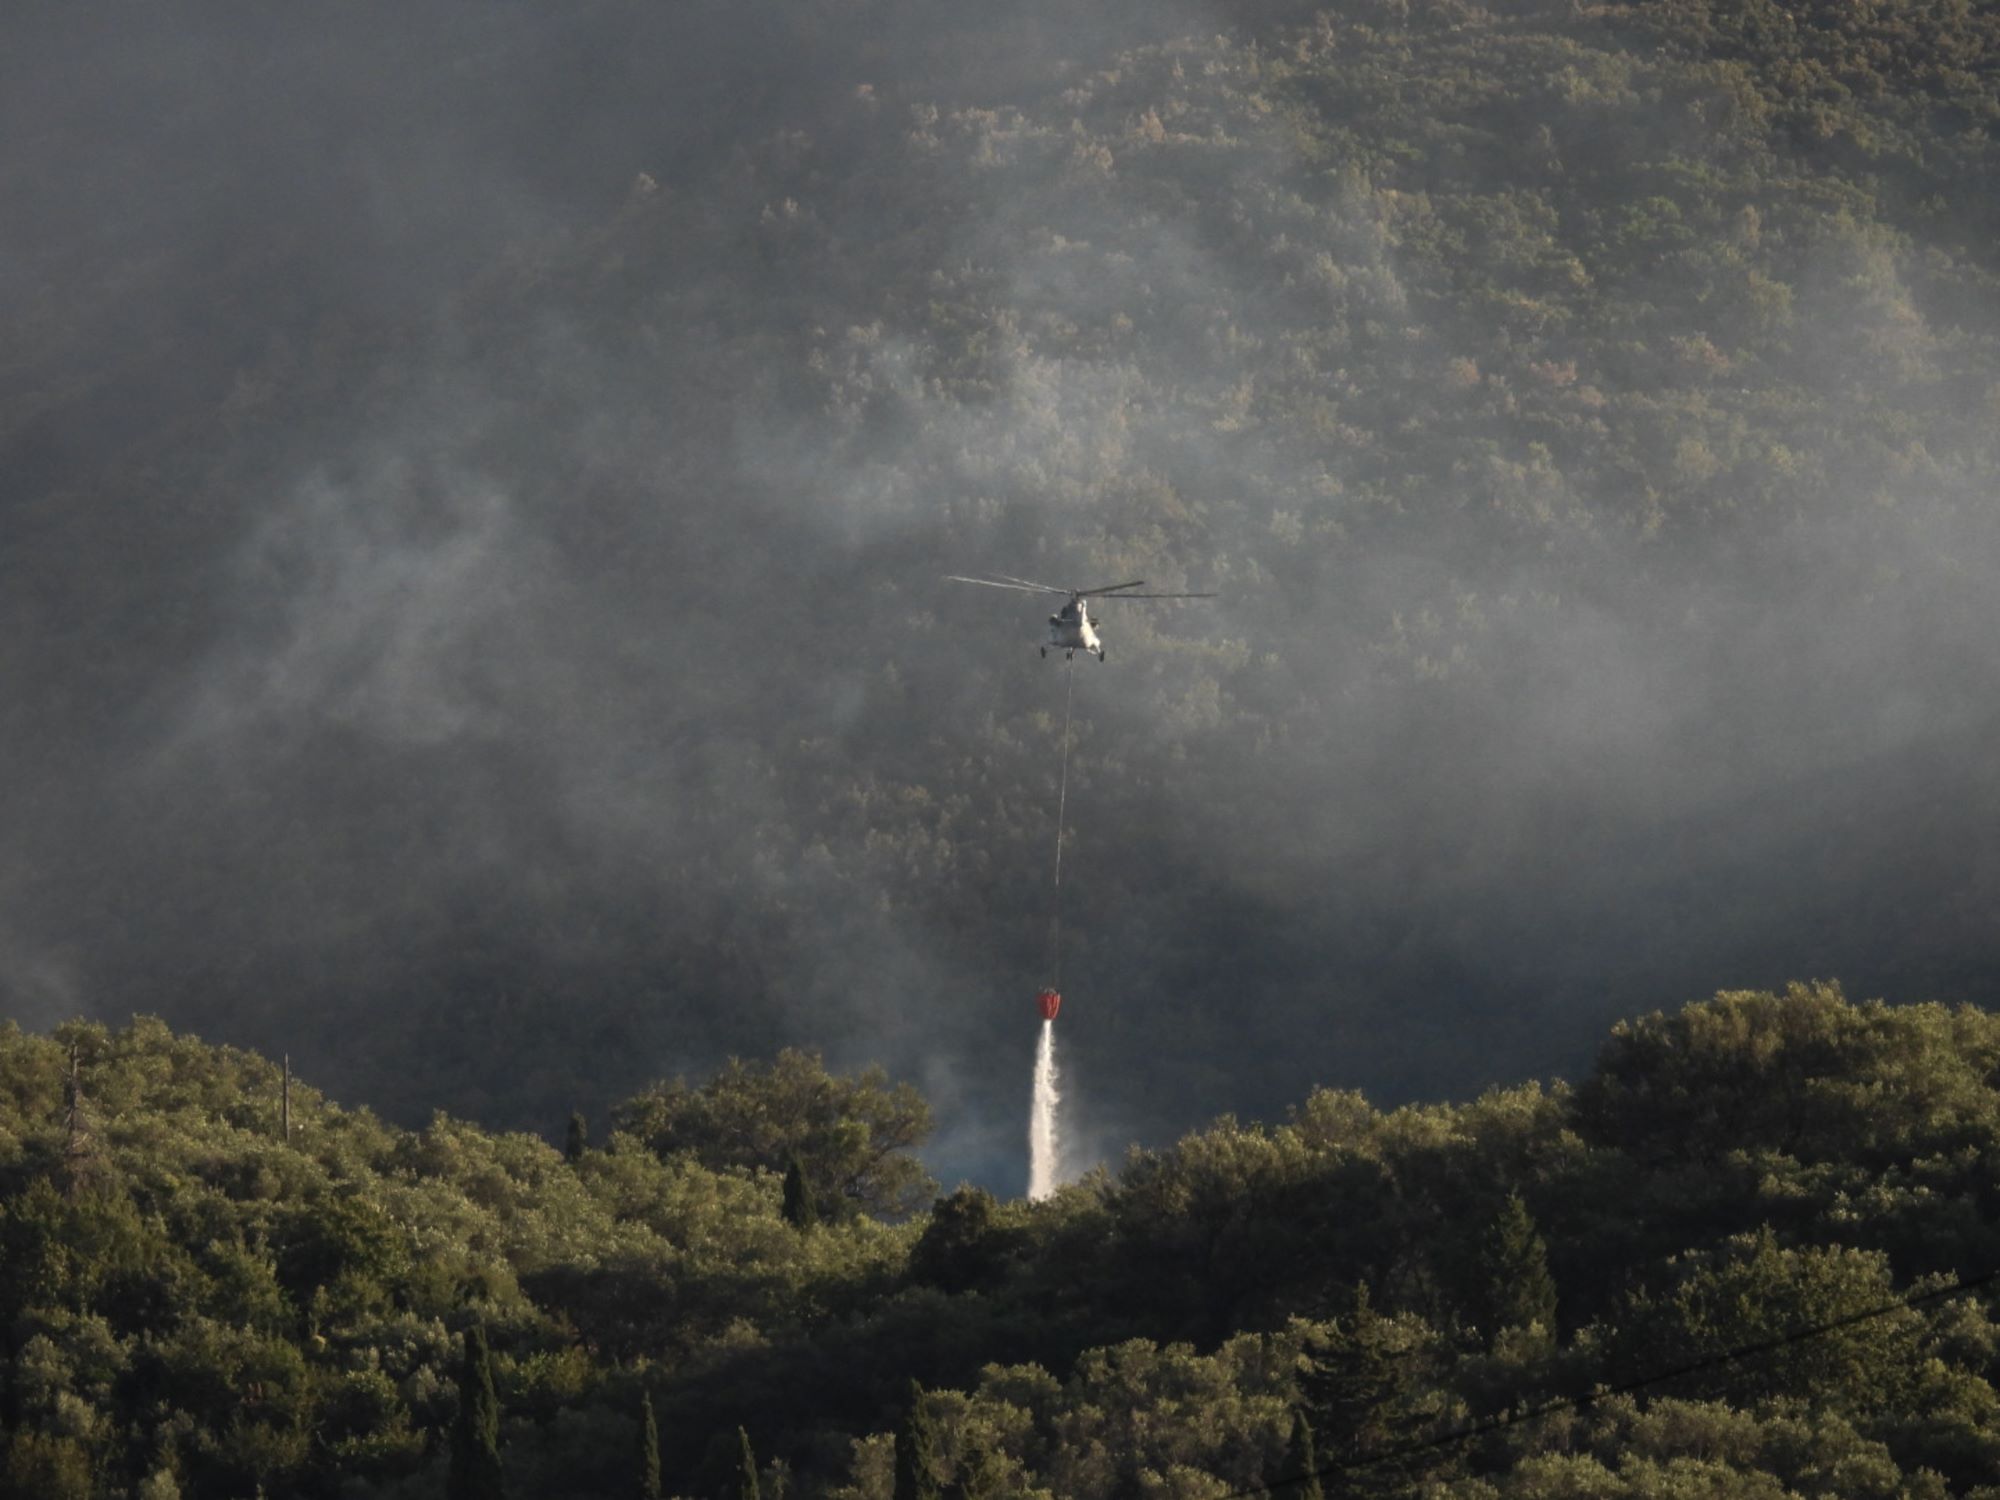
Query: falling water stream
{"type": "Point", "coordinates": [1044, 1147]}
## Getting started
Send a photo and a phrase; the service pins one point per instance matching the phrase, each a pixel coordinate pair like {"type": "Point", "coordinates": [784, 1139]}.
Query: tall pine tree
{"type": "Point", "coordinates": [475, 1437]}
{"type": "Point", "coordinates": [916, 1452]}
{"type": "Point", "coordinates": [748, 1485]}
{"type": "Point", "coordinates": [1369, 1387]}
{"type": "Point", "coordinates": [1514, 1262]}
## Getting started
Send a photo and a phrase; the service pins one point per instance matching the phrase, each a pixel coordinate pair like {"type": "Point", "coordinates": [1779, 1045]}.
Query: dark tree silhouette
{"type": "Point", "coordinates": [475, 1437]}
{"type": "Point", "coordinates": [1299, 1478]}
{"type": "Point", "coordinates": [649, 1450]}
{"type": "Point", "coordinates": [1520, 1291]}
{"type": "Point", "coordinates": [801, 1212]}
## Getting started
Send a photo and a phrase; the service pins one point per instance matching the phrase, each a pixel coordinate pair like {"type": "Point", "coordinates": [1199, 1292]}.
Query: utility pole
{"type": "Point", "coordinates": [285, 1101]}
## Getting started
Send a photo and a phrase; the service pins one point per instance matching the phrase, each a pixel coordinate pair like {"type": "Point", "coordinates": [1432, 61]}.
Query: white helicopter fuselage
{"type": "Point", "coordinates": [1070, 631]}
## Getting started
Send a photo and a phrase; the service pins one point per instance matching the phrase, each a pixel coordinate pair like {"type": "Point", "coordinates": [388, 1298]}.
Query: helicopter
{"type": "Point", "coordinates": [1070, 627]}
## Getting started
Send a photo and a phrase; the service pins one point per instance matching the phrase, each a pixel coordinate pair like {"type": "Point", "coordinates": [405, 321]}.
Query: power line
{"type": "Point", "coordinates": [1727, 1357]}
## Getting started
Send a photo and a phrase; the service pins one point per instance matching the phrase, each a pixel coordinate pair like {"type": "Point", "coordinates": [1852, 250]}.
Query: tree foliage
{"type": "Point", "coordinates": [368, 1310]}
{"type": "Point", "coordinates": [749, 1486]}
{"type": "Point", "coordinates": [801, 1212]}
{"type": "Point", "coordinates": [475, 1435]}
{"type": "Point", "coordinates": [1520, 1292]}
{"type": "Point", "coordinates": [649, 1451]}
{"type": "Point", "coordinates": [916, 1452]}
{"type": "Point", "coordinates": [1300, 1476]}
{"type": "Point", "coordinates": [1544, 382]}
{"type": "Point", "coordinates": [853, 1139]}
{"type": "Point", "coordinates": [1581, 316]}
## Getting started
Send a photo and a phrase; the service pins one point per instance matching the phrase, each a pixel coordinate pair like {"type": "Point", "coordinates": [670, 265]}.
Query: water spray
{"type": "Point", "coordinates": [1044, 1132]}
{"type": "Point", "coordinates": [1044, 1137]}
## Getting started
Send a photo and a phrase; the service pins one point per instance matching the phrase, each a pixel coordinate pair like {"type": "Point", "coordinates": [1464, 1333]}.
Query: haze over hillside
{"type": "Point", "coordinates": [477, 481]}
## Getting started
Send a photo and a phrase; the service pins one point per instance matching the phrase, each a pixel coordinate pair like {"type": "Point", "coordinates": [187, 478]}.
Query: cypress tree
{"type": "Point", "coordinates": [916, 1452]}
{"type": "Point", "coordinates": [649, 1450]}
{"type": "Point", "coordinates": [748, 1486]}
{"type": "Point", "coordinates": [800, 1210]}
{"type": "Point", "coordinates": [1300, 1477]}
{"type": "Point", "coordinates": [475, 1437]}
{"type": "Point", "coordinates": [1519, 1289]}
{"type": "Point", "coordinates": [577, 1138]}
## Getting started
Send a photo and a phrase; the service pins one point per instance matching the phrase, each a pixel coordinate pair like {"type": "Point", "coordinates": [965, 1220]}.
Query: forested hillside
{"type": "Point", "coordinates": [199, 1303]}
{"type": "Point", "coordinates": [477, 482]}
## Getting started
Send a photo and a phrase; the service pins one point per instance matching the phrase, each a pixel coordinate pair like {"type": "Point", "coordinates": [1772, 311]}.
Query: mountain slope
{"type": "Point", "coordinates": [474, 609]}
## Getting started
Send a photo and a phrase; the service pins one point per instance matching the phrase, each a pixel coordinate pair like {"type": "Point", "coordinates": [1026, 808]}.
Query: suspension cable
{"type": "Point", "coordinates": [1062, 804]}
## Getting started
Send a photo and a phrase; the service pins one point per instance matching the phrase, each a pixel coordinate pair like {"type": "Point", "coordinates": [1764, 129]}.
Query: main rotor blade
{"type": "Point", "coordinates": [1113, 598]}
{"type": "Point", "coordinates": [1030, 583]}
{"type": "Point", "coordinates": [1111, 588]}
{"type": "Point", "coordinates": [1019, 588]}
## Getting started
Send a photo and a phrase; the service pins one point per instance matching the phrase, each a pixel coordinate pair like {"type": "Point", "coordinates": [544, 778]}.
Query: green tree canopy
{"type": "Point", "coordinates": [962, 1245]}
{"type": "Point", "coordinates": [853, 1137]}
{"type": "Point", "coordinates": [1808, 1310]}
{"type": "Point", "coordinates": [219, 1308]}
